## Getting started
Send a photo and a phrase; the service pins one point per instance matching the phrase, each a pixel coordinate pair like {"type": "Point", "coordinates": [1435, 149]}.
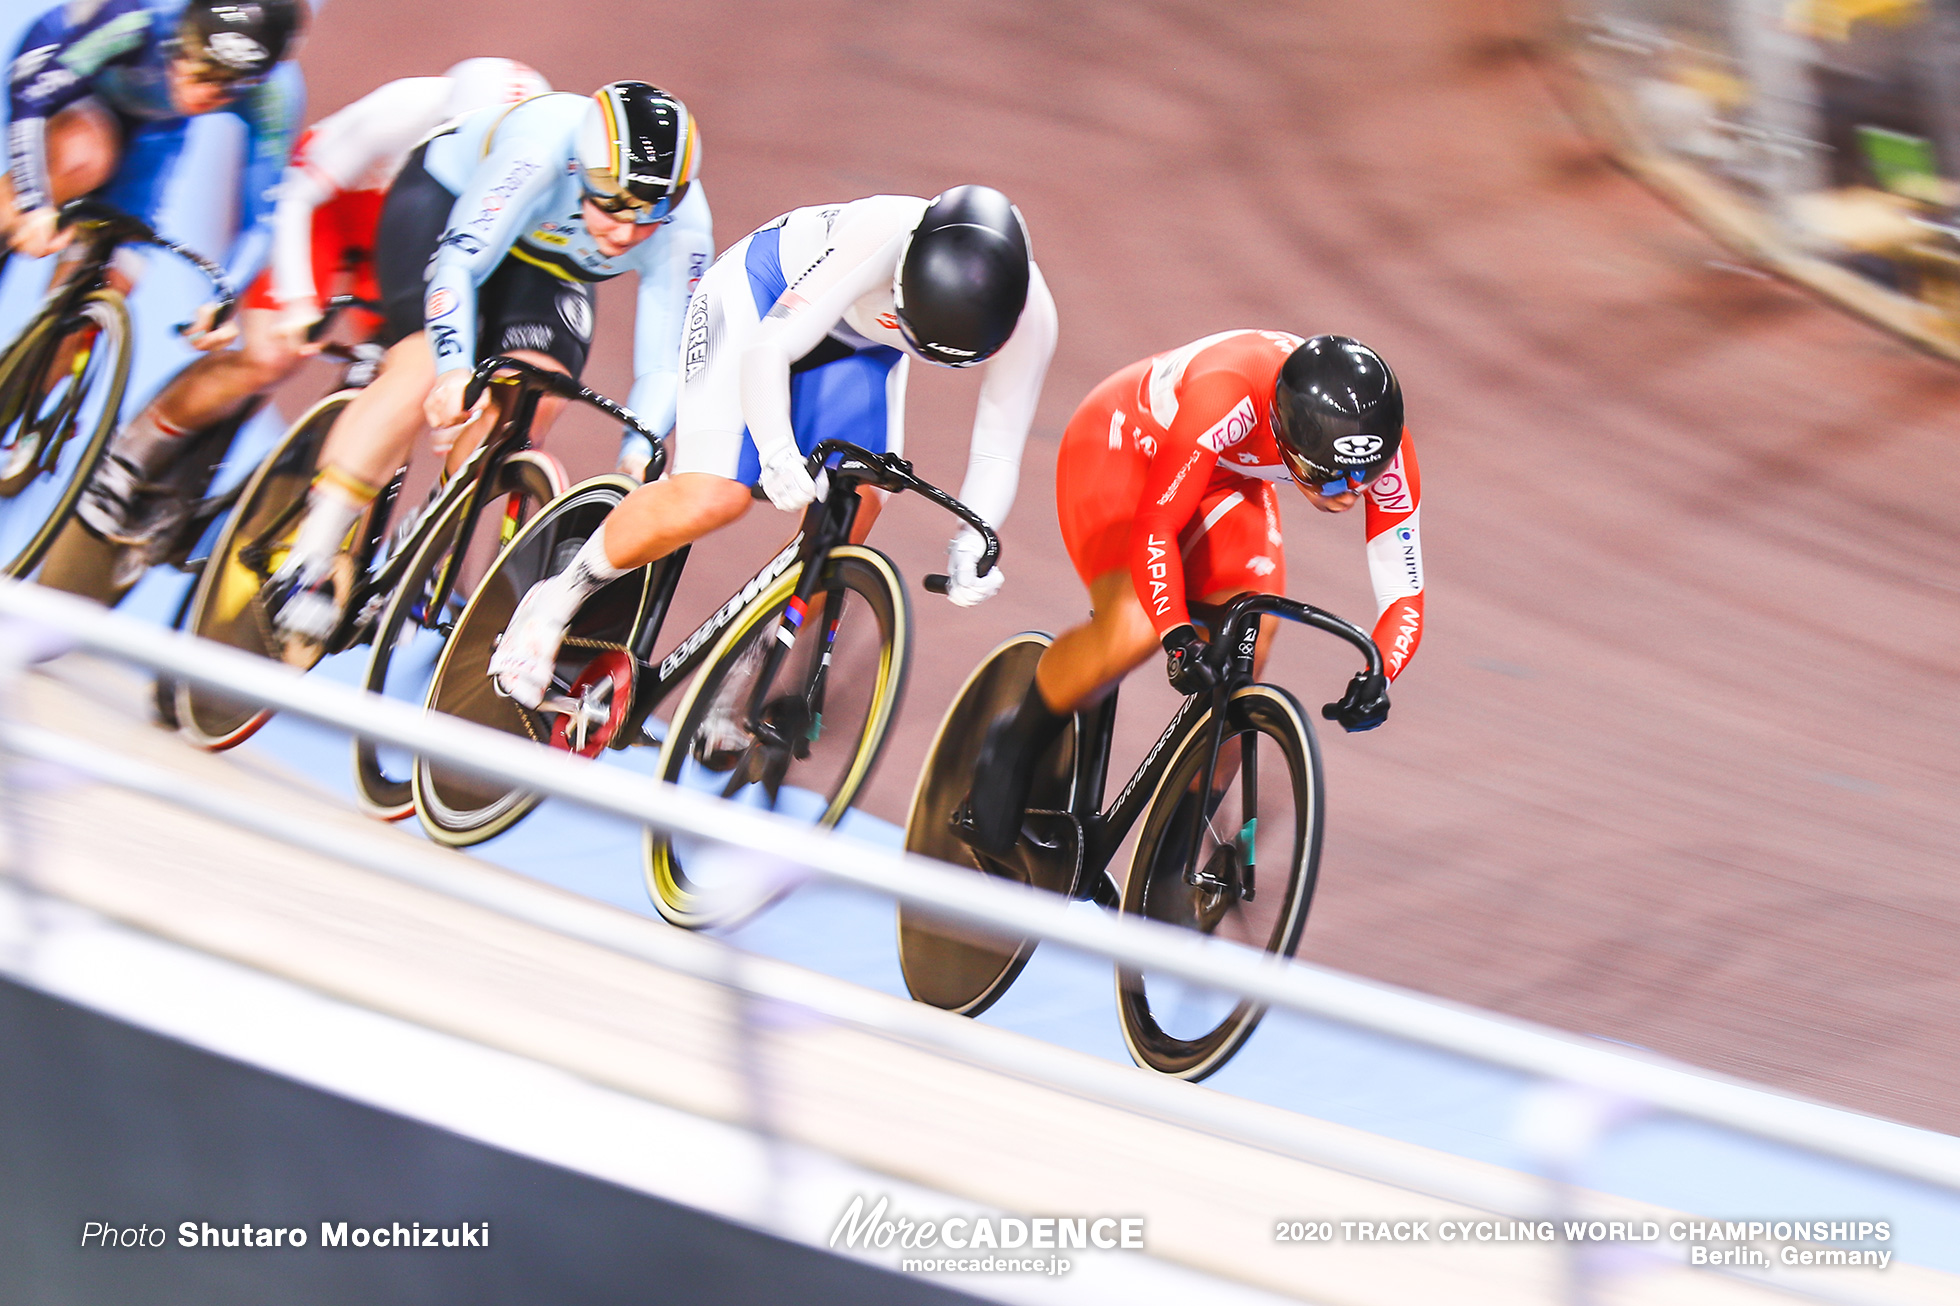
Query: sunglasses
{"type": "Point", "coordinates": [206, 71]}
{"type": "Point", "coordinates": [621, 204]}
{"type": "Point", "coordinates": [1350, 483]}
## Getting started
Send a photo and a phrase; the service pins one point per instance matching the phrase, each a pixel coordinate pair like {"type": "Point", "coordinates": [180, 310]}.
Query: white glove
{"type": "Point", "coordinates": [787, 481]}
{"type": "Point", "coordinates": [963, 586]}
{"type": "Point", "coordinates": [528, 652]}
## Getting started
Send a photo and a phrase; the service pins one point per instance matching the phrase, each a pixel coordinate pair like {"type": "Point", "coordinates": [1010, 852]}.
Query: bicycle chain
{"type": "Point", "coordinates": [525, 714]}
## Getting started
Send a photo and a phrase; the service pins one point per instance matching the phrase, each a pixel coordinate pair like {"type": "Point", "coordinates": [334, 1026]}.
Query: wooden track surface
{"type": "Point", "coordinates": [1677, 762]}
{"type": "Point", "coordinates": [961, 1128]}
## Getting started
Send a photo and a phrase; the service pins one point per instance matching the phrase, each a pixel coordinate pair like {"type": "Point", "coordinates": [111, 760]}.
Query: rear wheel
{"type": "Point", "coordinates": [408, 637]}
{"type": "Point", "coordinates": [947, 963]}
{"type": "Point", "coordinates": [227, 606]}
{"type": "Point", "coordinates": [812, 740]}
{"type": "Point", "coordinates": [1256, 833]}
{"type": "Point", "coordinates": [457, 807]}
{"type": "Point", "coordinates": [61, 392]}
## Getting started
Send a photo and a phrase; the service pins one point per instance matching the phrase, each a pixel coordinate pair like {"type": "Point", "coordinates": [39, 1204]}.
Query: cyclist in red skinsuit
{"type": "Point", "coordinates": [1166, 488]}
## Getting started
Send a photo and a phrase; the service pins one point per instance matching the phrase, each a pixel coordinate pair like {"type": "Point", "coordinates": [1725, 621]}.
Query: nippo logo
{"type": "Point", "coordinates": [440, 303]}
{"type": "Point", "coordinates": [1359, 448]}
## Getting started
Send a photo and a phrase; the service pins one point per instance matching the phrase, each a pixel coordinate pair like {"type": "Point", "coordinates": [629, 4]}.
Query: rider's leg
{"type": "Point", "coordinates": [656, 519]}
{"type": "Point", "coordinates": [369, 440]}
{"type": "Point", "coordinates": [648, 524]}
{"type": "Point", "coordinates": [211, 389]}
{"type": "Point", "coordinates": [1082, 661]}
{"type": "Point", "coordinates": [84, 145]}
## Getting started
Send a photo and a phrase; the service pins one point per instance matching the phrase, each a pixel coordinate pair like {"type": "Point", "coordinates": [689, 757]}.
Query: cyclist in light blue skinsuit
{"type": "Point", "coordinates": [490, 242]}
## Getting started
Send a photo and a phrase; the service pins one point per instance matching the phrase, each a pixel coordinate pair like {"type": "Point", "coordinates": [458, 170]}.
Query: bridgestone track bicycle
{"type": "Point", "coordinates": [1230, 806]}
{"type": "Point", "coordinates": [62, 382]}
{"type": "Point", "coordinates": [800, 674]}
{"type": "Point", "coordinates": [399, 588]}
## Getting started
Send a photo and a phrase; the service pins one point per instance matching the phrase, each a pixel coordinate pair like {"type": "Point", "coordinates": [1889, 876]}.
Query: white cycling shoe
{"type": "Point", "coordinates": [527, 652]}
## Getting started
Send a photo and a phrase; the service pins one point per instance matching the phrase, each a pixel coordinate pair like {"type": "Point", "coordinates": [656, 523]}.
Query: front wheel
{"type": "Point", "coordinates": [408, 637]}
{"type": "Point", "coordinates": [1235, 861]}
{"type": "Point", "coordinates": [61, 392]}
{"type": "Point", "coordinates": [801, 745]}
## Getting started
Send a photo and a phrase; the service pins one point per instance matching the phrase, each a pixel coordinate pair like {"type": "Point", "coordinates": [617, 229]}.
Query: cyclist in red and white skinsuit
{"type": "Point", "coordinates": [1167, 491]}
{"type": "Point", "coordinates": [330, 200]}
{"type": "Point", "coordinates": [322, 244]}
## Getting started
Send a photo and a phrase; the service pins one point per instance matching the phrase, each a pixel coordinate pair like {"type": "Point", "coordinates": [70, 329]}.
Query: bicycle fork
{"type": "Point", "coordinates": [1196, 873]}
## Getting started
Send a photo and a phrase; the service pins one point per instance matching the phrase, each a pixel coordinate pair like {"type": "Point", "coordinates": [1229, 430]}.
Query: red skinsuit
{"type": "Point", "coordinates": [1169, 468]}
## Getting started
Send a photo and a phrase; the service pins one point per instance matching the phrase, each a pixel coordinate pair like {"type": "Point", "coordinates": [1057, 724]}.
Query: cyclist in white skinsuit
{"type": "Point", "coordinates": [490, 242]}
{"type": "Point", "coordinates": [804, 331]}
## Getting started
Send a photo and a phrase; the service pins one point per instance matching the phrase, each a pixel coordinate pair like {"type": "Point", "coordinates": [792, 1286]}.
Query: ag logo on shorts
{"type": "Point", "coordinates": [577, 312]}
{"type": "Point", "coordinates": [439, 304]}
{"type": "Point", "coordinates": [1358, 448]}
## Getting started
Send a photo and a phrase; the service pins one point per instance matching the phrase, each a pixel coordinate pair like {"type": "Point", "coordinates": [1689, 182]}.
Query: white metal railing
{"type": "Point", "coordinates": [45, 623]}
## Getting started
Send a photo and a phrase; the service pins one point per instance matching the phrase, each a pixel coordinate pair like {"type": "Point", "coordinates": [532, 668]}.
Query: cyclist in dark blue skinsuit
{"type": "Point", "coordinates": [143, 68]}
{"type": "Point", "coordinates": [100, 98]}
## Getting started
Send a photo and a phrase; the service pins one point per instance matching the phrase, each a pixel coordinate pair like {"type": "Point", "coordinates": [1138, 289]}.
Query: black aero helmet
{"type": "Point", "coordinates": [638, 150]}
{"type": "Point", "coordinates": [962, 277]}
{"type": "Point", "coordinates": [1337, 413]}
{"type": "Point", "coordinates": [239, 40]}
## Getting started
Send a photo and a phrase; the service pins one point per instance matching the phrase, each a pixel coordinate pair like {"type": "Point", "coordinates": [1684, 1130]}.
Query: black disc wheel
{"type": "Point", "coordinates": [410, 630]}
{"type": "Point", "coordinates": [61, 393]}
{"type": "Point", "coordinates": [801, 745]}
{"type": "Point", "coordinates": [227, 606]}
{"type": "Point", "coordinates": [1234, 861]}
{"type": "Point", "coordinates": [457, 807]}
{"type": "Point", "coordinates": [949, 964]}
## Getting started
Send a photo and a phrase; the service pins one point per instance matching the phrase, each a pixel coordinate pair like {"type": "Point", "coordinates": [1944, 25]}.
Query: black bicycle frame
{"type": "Point", "coordinates": [103, 229]}
{"type": "Point", "coordinates": [825, 526]}
{"type": "Point", "coordinates": [474, 479]}
{"type": "Point", "coordinates": [1231, 655]}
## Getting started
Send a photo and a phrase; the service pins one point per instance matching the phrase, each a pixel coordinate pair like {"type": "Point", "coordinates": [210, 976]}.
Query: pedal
{"type": "Point", "coordinates": [1048, 855]}
{"type": "Point", "coordinates": [1051, 844]}
{"type": "Point", "coordinates": [590, 712]}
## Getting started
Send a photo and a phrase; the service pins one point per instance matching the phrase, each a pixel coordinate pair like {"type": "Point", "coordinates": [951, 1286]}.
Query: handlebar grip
{"type": "Point", "coordinates": [937, 583]}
